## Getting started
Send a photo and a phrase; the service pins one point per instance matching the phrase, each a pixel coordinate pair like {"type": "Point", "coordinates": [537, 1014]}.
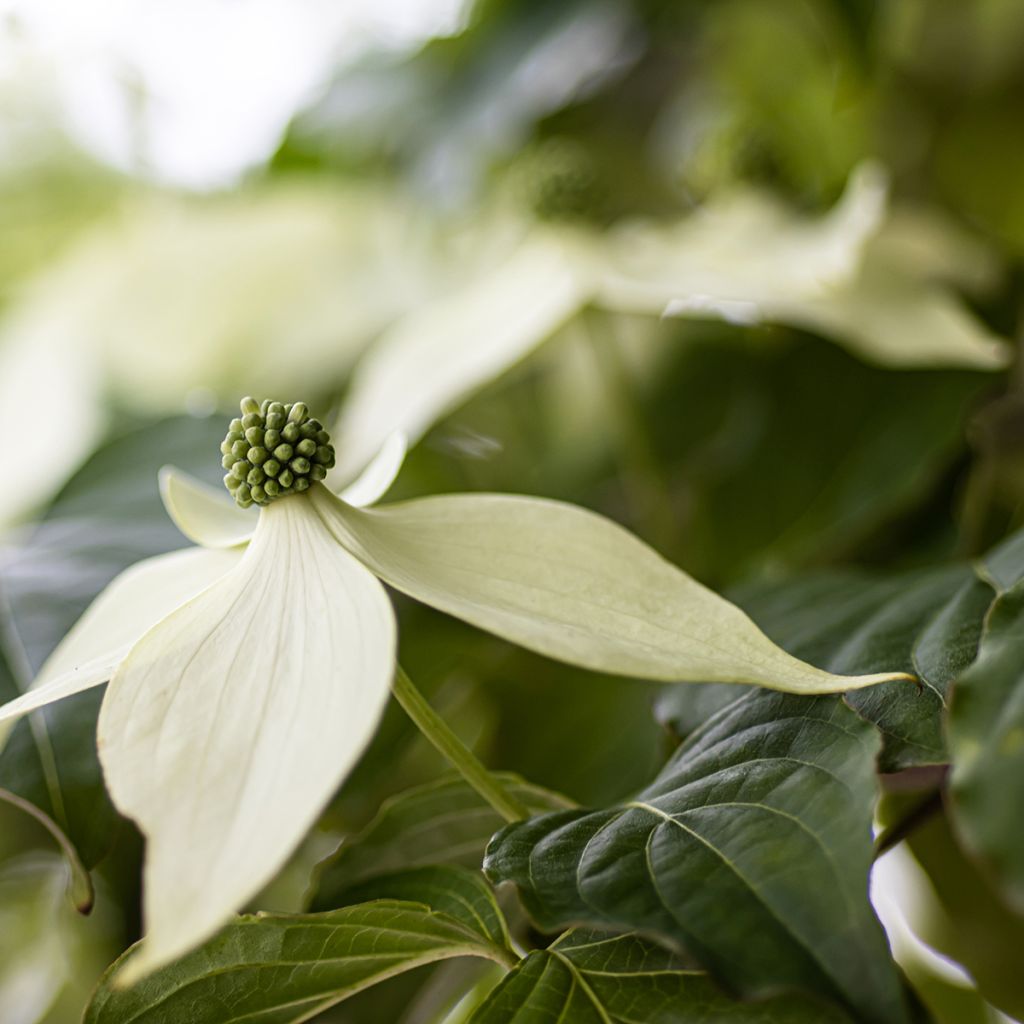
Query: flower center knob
{"type": "Point", "coordinates": [274, 450]}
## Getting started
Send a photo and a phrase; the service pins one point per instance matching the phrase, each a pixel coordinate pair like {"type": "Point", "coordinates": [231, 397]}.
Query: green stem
{"type": "Point", "coordinates": [454, 751]}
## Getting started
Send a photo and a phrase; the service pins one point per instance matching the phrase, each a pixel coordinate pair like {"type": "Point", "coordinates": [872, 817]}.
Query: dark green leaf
{"type": "Point", "coordinates": [926, 622]}
{"type": "Point", "coordinates": [588, 978]}
{"type": "Point", "coordinates": [461, 894]}
{"type": "Point", "coordinates": [751, 851]}
{"type": "Point", "coordinates": [278, 969]}
{"type": "Point", "coordinates": [442, 822]}
{"type": "Point", "coordinates": [986, 730]}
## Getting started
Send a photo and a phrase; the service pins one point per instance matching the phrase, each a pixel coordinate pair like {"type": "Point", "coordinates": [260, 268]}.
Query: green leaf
{"type": "Point", "coordinates": [462, 894]}
{"type": "Point", "coordinates": [108, 516]}
{"type": "Point", "coordinates": [589, 978]}
{"type": "Point", "coordinates": [926, 622]}
{"type": "Point", "coordinates": [986, 728]}
{"type": "Point", "coordinates": [751, 851]}
{"type": "Point", "coordinates": [443, 822]}
{"type": "Point", "coordinates": [277, 968]}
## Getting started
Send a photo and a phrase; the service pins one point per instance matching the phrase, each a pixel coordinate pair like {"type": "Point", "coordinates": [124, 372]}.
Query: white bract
{"type": "Point", "coordinates": [248, 674]}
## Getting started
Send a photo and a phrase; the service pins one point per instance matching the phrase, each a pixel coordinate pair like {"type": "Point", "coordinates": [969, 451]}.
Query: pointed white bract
{"type": "Point", "coordinates": [376, 479]}
{"type": "Point", "coordinates": [569, 584]}
{"type": "Point", "coordinates": [206, 515]}
{"type": "Point", "coordinates": [227, 729]}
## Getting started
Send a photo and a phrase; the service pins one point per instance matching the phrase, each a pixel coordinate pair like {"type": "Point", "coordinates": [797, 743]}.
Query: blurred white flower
{"type": "Point", "coordinates": [745, 258]}
{"type": "Point", "coordinates": [173, 303]}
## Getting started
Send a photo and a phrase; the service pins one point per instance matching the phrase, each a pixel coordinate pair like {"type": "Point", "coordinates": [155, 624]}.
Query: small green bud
{"type": "Point", "coordinates": [274, 450]}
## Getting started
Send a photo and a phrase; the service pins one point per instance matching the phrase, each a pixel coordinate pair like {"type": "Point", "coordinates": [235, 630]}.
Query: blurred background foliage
{"type": "Point", "coordinates": [174, 239]}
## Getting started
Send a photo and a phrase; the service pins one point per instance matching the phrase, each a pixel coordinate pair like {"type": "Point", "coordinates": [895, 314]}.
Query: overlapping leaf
{"type": "Point", "coordinates": [987, 739]}
{"type": "Point", "coordinates": [589, 978]}
{"type": "Point", "coordinates": [926, 622]}
{"type": "Point", "coordinates": [751, 850]}
{"type": "Point", "coordinates": [278, 969]}
{"type": "Point", "coordinates": [443, 822]}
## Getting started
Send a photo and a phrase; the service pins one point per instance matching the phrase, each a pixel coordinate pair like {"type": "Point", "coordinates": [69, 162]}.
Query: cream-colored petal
{"type": "Point", "coordinates": [433, 357]}
{"type": "Point", "coordinates": [65, 686]}
{"type": "Point", "coordinates": [206, 515]}
{"type": "Point", "coordinates": [130, 605]}
{"type": "Point", "coordinates": [42, 369]}
{"type": "Point", "coordinates": [373, 483]}
{"type": "Point", "coordinates": [569, 584]}
{"type": "Point", "coordinates": [232, 722]}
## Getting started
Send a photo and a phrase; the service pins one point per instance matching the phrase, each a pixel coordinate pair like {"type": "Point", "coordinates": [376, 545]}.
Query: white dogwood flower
{"type": "Point", "coordinates": [247, 674]}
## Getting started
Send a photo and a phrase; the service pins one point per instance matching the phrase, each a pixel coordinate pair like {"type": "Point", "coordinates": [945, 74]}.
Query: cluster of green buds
{"type": "Point", "coordinates": [274, 450]}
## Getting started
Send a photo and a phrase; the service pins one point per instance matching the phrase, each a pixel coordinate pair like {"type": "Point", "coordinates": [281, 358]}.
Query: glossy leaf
{"type": "Point", "coordinates": [443, 822]}
{"type": "Point", "coordinates": [925, 622]}
{"type": "Point", "coordinates": [751, 851]}
{"type": "Point", "coordinates": [987, 738]}
{"type": "Point", "coordinates": [589, 978]}
{"type": "Point", "coordinates": [279, 969]}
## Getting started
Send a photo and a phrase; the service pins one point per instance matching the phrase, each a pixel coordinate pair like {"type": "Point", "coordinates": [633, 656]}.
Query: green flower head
{"type": "Point", "coordinates": [274, 450]}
